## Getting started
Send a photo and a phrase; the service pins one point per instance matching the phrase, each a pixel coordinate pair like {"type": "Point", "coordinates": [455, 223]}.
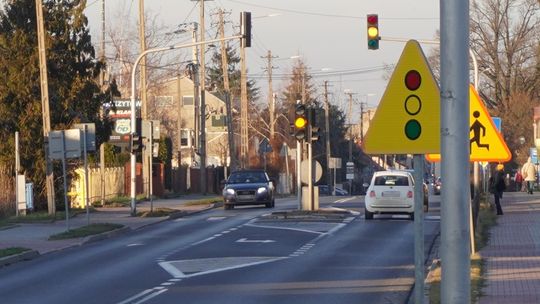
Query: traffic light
{"type": "Point", "coordinates": [413, 104]}
{"type": "Point", "coordinates": [245, 29]}
{"type": "Point", "coordinates": [313, 129]}
{"type": "Point", "coordinates": [373, 31]}
{"type": "Point", "coordinates": [300, 122]}
{"type": "Point", "coordinates": [135, 143]}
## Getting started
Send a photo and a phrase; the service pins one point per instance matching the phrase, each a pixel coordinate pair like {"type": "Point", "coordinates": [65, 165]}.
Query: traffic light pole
{"type": "Point", "coordinates": [133, 125]}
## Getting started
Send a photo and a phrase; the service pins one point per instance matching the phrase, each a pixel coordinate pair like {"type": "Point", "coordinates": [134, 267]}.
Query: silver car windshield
{"type": "Point", "coordinates": [247, 177]}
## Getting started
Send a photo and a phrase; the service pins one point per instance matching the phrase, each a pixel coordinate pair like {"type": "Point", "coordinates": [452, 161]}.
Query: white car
{"type": "Point", "coordinates": [390, 192]}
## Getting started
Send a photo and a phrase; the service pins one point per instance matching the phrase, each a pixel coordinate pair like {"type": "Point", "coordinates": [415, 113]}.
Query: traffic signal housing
{"type": "Point", "coordinates": [373, 36]}
{"type": "Point", "coordinates": [135, 143]}
{"type": "Point", "coordinates": [245, 29]}
{"type": "Point", "coordinates": [301, 122]}
{"type": "Point", "coordinates": [315, 132]}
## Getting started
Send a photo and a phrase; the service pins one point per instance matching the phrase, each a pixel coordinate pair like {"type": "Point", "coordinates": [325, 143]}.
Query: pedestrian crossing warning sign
{"type": "Point", "coordinates": [407, 120]}
{"type": "Point", "coordinates": [485, 142]}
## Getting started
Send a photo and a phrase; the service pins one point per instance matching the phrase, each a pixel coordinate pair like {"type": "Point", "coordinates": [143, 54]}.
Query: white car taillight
{"type": "Point", "coordinates": [372, 193]}
{"type": "Point", "coordinates": [409, 194]}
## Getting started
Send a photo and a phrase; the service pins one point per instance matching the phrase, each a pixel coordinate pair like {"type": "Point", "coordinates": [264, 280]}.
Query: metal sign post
{"type": "Point", "coordinates": [418, 163]}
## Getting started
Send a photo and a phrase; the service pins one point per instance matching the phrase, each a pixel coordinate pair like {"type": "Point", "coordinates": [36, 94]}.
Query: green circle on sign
{"type": "Point", "coordinates": [413, 129]}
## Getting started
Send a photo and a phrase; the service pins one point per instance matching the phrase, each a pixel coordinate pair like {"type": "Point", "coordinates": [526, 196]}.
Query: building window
{"type": "Point", "coordinates": [187, 100]}
{"type": "Point", "coordinates": [163, 101]}
{"type": "Point", "coordinates": [186, 138]}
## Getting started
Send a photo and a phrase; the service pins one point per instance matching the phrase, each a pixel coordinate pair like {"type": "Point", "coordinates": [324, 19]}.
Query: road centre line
{"type": "Point", "coordinates": [203, 241]}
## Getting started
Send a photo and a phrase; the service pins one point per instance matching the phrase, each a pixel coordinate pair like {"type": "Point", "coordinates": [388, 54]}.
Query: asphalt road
{"type": "Point", "coordinates": [232, 257]}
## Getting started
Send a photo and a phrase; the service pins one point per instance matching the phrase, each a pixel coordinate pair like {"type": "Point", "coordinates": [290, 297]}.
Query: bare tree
{"type": "Point", "coordinates": [504, 35]}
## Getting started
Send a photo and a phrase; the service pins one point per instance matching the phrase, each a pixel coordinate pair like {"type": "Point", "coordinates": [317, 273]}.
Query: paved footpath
{"type": "Point", "coordinates": [35, 236]}
{"type": "Point", "coordinates": [513, 252]}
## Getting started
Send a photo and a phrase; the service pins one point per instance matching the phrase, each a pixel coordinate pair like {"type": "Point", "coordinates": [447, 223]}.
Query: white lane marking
{"type": "Point", "coordinates": [216, 218]}
{"type": "Point", "coordinates": [203, 241]}
{"type": "Point", "coordinates": [225, 232]}
{"type": "Point", "coordinates": [233, 229]}
{"type": "Point", "coordinates": [175, 272]}
{"type": "Point", "coordinates": [159, 287]}
{"type": "Point", "coordinates": [236, 267]}
{"type": "Point", "coordinates": [167, 283]}
{"type": "Point", "coordinates": [134, 244]}
{"type": "Point", "coordinates": [330, 232]}
{"type": "Point", "coordinates": [150, 296]}
{"type": "Point", "coordinates": [343, 200]}
{"type": "Point", "coordinates": [180, 219]}
{"type": "Point", "coordinates": [244, 240]}
{"type": "Point", "coordinates": [218, 235]}
{"type": "Point", "coordinates": [285, 228]}
{"type": "Point", "coordinates": [140, 294]}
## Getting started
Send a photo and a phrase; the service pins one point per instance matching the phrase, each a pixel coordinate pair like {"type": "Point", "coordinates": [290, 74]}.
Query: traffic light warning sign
{"type": "Point", "coordinates": [407, 120]}
{"type": "Point", "coordinates": [486, 143]}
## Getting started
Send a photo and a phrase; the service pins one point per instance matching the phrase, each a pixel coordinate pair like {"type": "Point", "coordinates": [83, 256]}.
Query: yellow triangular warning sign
{"type": "Point", "coordinates": [486, 143]}
{"type": "Point", "coordinates": [407, 120]}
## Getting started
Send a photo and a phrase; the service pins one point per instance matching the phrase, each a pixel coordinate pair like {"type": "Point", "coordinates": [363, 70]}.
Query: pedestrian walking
{"type": "Point", "coordinates": [497, 187]}
{"type": "Point", "coordinates": [529, 175]}
{"type": "Point", "coordinates": [518, 178]}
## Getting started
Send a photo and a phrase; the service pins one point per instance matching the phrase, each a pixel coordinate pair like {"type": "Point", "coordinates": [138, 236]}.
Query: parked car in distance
{"type": "Point", "coordinates": [324, 190]}
{"type": "Point", "coordinates": [248, 187]}
{"type": "Point", "coordinates": [392, 192]}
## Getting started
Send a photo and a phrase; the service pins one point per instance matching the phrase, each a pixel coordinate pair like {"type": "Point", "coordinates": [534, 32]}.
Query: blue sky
{"type": "Point", "coordinates": [329, 35]}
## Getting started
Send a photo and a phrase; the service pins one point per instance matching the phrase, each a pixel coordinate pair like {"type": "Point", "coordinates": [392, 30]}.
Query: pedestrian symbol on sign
{"type": "Point", "coordinates": [476, 127]}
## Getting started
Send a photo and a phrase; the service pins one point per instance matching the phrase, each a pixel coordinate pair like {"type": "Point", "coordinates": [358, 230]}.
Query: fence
{"type": "Point", "coordinates": [113, 184]}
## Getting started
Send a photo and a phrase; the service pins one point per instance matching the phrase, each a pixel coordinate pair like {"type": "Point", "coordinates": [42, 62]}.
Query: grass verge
{"type": "Point", "coordinates": [85, 231]}
{"type": "Point", "coordinates": [157, 212]}
{"type": "Point", "coordinates": [486, 220]}
{"type": "Point", "coordinates": [12, 251]}
{"type": "Point", "coordinates": [204, 201]}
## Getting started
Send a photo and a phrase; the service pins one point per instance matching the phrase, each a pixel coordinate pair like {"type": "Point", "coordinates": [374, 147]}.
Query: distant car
{"type": "Point", "coordinates": [324, 190]}
{"type": "Point", "coordinates": [248, 187]}
{"type": "Point", "coordinates": [392, 192]}
{"type": "Point", "coordinates": [437, 186]}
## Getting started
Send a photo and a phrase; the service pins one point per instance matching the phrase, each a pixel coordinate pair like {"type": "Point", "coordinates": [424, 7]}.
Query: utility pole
{"type": "Point", "coordinates": [362, 121]}
{"type": "Point", "coordinates": [102, 84]}
{"type": "Point", "coordinates": [202, 146]}
{"type": "Point", "coordinates": [327, 136]}
{"type": "Point", "coordinates": [350, 124]}
{"type": "Point", "coordinates": [49, 182]}
{"type": "Point", "coordinates": [146, 158]}
{"type": "Point", "coordinates": [271, 109]}
{"type": "Point", "coordinates": [243, 109]}
{"type": "Point", "coordinates": [195, 76]}
{"type": "Point", "coordinates": [226, 87]}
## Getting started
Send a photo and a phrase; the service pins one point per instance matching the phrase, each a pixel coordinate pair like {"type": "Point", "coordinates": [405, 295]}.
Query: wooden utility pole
{"type": "Point", "coordinates": [202, 146]}
{"type": "Point", "coordinates": [228, 101]}
{"type": "Point", "coordinates": [349, 116]}
{"type": "Point", "coordinates": [49, 182]}
{"type": "Point", "coordinates": [102, 86]}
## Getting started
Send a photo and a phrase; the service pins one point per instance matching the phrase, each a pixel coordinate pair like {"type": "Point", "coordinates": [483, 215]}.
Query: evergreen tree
{"type": "Point", "coordinates": [74, 95]}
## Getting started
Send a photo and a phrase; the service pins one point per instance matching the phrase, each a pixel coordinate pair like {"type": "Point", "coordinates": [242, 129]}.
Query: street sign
{"type": "Point", "coordinates": [486, 143]}
{"type": "Point", "coordinates": [155, 129]}
{"type": "Point", "coordinates": [305, 167]}
{"type": "Point", "coordinates": [350, 170]}
{"type": "Point", "coordinates": [68, 143]}
{"type": "Point", "coordinates": [498, 123]}
{"type": "Point", "coordinates": [265, 147]}
{"type": "Point", "coordinates": [335, 163]}
{"type": "Point", "coordinates": [90, 135]}
{"type": "Point", "coordinates": [407, 120]}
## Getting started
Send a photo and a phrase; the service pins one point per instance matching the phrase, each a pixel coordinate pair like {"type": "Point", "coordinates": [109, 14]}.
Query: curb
{"type": "Point", "coordinates": [104, 235]}
{"type": "Point", "coordinates": [23, 256]}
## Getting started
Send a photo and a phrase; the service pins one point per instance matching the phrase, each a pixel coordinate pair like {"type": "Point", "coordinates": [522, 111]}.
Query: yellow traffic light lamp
{"type": "Point", "coordinates": [300, 122]}
{"type": "Point", "coordinates": [373, 36]}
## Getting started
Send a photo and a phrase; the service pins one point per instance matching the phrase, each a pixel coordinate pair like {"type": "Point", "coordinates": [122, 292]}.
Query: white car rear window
{"type": "Point", "coordinates": [391, 180]}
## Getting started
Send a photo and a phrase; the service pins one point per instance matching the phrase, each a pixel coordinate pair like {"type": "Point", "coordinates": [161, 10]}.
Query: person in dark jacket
{"type": "Point", "coordinates": [498, 186]}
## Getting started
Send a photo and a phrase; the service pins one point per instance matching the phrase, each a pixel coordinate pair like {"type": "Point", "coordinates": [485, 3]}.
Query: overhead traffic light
{"type": "Point", "coordinates": [245, 29]}
{"type": "Point", "coordinates": [373, 31]}
{"type": "Point", "coordinates": [300, 122]}
{"type": "Point", "coordinates": [413, 104]}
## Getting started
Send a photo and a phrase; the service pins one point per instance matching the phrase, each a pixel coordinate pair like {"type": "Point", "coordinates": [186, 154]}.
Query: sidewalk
{"type": "Point", "coordinates": [35, 236]}
{"type": "Point", "coordinates": [513, 252]}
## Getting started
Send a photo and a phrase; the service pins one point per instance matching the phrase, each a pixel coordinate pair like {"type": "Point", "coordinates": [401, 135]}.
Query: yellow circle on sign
{"type": "Point", "coordinates": [373, 32]}
{"type": "Point", "coordinates": [300, 122]}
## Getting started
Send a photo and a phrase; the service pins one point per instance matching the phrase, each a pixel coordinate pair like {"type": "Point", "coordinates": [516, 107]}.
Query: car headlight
{"type": "Point", "coordinates": [229, 191]}
{"type": "Point", "coordinates": [262, 190]}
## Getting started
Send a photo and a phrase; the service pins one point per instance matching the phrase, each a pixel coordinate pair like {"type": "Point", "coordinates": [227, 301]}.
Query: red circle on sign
{"type": "Point", "coordinates": [413, 80]}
